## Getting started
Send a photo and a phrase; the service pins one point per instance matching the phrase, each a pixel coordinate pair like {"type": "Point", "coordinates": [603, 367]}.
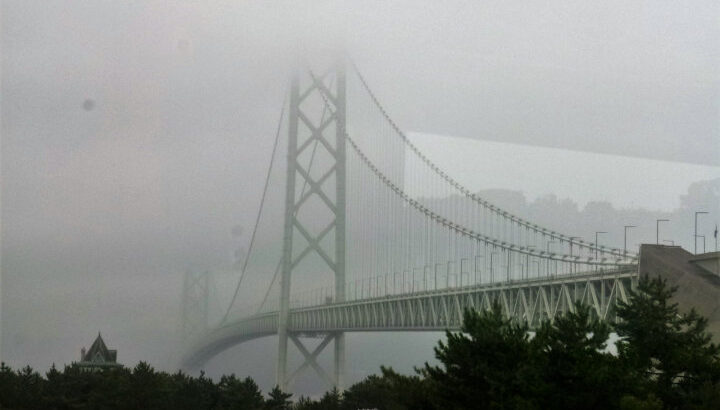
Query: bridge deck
{"type": "Point", "coordinates": [530, 301]}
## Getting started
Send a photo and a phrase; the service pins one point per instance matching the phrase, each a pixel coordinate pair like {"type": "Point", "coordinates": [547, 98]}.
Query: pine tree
{"type": "Point", "coordinates": [239, 394]}
{"type": "Point", "coordinates": [670, 353]}
{"type": "Point", "coordinates": [278, 400]}
{"type": "Point", "coordinates": [389, 391]}
{"type": "Point", "coordinates": [486, 365]}
{"type": "Point", "coordinates": [331, 400]}
{"type": "Point", "coordinates": [575, 372]}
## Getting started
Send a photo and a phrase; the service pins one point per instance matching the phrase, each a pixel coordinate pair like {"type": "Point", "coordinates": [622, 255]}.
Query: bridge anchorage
{"type": "Point", "coordinates": [376, 237]}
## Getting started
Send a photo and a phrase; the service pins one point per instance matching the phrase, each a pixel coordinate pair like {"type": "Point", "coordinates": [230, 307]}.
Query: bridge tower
{"type": "Point", "coordinates": [329, 133]}
{"type": "Point", "coordinates": [195, 304]}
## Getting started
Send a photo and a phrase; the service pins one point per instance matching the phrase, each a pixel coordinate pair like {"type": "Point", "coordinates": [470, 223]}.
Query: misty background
{"type": "Point", "coordinates": [135, 139]}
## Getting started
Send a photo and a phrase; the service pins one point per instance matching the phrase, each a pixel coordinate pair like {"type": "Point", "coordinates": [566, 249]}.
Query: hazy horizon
{"type": "Point", "coordinates": [136, 136]}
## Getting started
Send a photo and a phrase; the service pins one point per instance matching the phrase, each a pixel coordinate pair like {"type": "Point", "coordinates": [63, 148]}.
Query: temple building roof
{"type": "Point", "coordinates": [98, 355]}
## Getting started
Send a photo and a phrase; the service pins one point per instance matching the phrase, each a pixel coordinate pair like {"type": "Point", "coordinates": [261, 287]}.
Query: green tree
{"type": "Point", "coordinates": [192, 392]}
{"type": "Point", "coordinates": [488, 365]}
{"type": "Point", "coordinates": [143, 389]}
{"type": "Point", "coordinates": [331, 400]}
{"type": "Point", "coordinates": [305, 403]}
{"type": "Point", "coordinates": [630, 402]}
{"type": "Point", "coordinates": [278, 400]}
{"type": "Point", "coordinates": [239, 394]}
{"type": "Point", "coordinates": [669, 352]}
{"type": "Point", "coordinates": [575, 372]}
{"type": "Point", "coordinates": [389, 391]}
{"type": "Point", "coordinates": [8, 387]}
{"type": "Point", "coordinates": [29, 385]}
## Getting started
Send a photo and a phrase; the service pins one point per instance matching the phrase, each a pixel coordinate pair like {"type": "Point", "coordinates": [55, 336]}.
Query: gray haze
{"type": "Point", "coordinates": [135, 136]}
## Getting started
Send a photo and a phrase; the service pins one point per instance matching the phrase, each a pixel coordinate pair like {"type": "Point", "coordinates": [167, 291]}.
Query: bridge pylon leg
{"type": "Point", "coordinates": [195, 304]}
{"type": "Point", "coordinates": [330, 131]}
{"type": "Point", "coordinates": [339, 360]}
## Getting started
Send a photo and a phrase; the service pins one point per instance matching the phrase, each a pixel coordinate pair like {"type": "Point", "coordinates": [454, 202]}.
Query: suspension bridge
{"type": "Point", "coordinates": [359, 231]}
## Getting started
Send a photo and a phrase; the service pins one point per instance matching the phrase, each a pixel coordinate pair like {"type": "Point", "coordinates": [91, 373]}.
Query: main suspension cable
{"type": "Point", "coordinates": [464, 231]}
{"type": "Point", "coordinates": [466, 192]}
{"type": "Point", "coordinates": [259, 214]}
{"type": "Point", "coordinates": [302, 193]}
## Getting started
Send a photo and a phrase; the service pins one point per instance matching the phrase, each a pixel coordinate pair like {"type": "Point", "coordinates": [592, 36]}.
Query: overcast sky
{"type": "Point", "coordinates": [135, 134]}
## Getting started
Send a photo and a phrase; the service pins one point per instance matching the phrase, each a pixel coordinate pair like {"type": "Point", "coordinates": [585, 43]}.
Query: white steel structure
{"type": "Point", "coordinates": [393, 260]}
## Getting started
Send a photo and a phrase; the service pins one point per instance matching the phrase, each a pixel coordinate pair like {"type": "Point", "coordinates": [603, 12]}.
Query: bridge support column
{"type": "Point", "coordinates": [339, 360]}
{"type": "Point", "coordinates": [340, 196]}
{"type": "Point", "coordinates": [288, 229]}
{"type": "Point", "coordinates": [330, 131]}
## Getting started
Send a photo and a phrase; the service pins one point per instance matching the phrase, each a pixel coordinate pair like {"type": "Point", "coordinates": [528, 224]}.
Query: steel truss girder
{"type": "Point", "coordinates": [530, 302]}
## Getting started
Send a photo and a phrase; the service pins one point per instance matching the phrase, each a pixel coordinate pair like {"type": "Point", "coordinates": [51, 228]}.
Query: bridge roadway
{"type": "Point", "coordinates": [530, 300]}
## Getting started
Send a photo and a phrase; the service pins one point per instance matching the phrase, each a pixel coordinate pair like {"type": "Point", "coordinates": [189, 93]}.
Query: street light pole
{"type": "Point", "coordinates": [507, 274]}
{"type": "Point", "coordinates": [436, 271]}
{"type": "Point", "coordinates": [657, 230]}
{"type": "Point", "coordinates": [625, 238]}
{"type": "Point", "coordinates": [492, 272]}
{"type": "Point", "coordinates": [476, 268]}
{"type": "Point", "coordinates": [696, 235]}
{"type": "Point", "coordinates": [548, 259]}
{"type": "Point", "coordinates": [527, 263]}
{"type": "Point", "coordinates": [537, 275]}
{"type": "Point", "coordinates": [596, 243]}
{"type": "Point", "coordinates": [571, 243]}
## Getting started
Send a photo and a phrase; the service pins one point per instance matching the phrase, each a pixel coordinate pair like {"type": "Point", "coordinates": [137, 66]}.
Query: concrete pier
{"type": "Point", "coordinates": [698, 284]}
